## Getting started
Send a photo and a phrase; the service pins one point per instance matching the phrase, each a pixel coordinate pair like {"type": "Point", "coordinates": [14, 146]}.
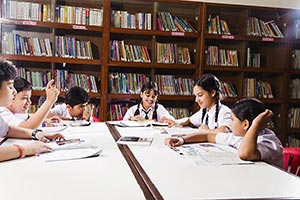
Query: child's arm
{"type": "Point", "coordinates": [248, 147]}
{"type": "Point", "coordinates": [178, 122]}
{"type": "Point", "coordinates": [36, 119]}
{"type": "Point", "coordinates": [192, 138]}
{"type": "Point", "coordinates": [221, 129]}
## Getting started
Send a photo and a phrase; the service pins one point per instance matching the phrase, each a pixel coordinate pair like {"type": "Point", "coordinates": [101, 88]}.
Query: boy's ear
{"type": "Point", "coordinates": [246, 125]}
{"type": "Point", "coordinates": [68, 106]}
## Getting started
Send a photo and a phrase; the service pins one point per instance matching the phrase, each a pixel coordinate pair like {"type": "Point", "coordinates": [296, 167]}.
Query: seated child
{"type": "Point", "coordinates": [249, 134]}
{"type": "Point", "coordinates": [16, 114]}
{"type": "Point", "coordinates": [75, 106]}
{"type": "Point", "coordinates": [148, 108]}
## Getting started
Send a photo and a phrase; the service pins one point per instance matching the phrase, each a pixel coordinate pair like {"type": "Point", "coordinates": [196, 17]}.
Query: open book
{"type": "Point", "coordinates": [127, 123]}
{"type": "Point", "coordinates": [71, 149]}
{"type": "Point", "coordinates": [77, 123]}
{"type": "Point", "coordinates": [133, 140]}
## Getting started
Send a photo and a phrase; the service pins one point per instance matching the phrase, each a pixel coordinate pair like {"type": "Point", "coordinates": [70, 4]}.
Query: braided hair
{"type": "Point", "coordinates": [148, 87]}
{"type": "Point", "coordinates": [209, 82]}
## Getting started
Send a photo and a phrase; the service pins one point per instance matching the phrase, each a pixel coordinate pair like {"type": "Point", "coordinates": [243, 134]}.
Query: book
{"type": "Point", "coordinates": [134, 140]}
{"type": "Point", "coordinates": [77, 123]}
{"type": "Point", "coordinates": [145, 123]}
{"type": "Point", "coordinates": [71, 149]}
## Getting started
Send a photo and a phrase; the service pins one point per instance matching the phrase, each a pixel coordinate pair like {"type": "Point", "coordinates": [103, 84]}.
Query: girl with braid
{"type": "Point", "coordinates": [148, 108]}
{"type": "Point", "coordinates": [213, 117]}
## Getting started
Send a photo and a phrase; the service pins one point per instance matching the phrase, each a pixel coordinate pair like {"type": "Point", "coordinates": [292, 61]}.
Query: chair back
{"type": "Point", "coordinates": [292, 155]}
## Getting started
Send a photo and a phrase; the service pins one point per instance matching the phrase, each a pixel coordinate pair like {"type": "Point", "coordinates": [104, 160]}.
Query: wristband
{"type": "Point", "coordinates": [21, 151]}
{"type": "Point", "coordinates": [34, 132]}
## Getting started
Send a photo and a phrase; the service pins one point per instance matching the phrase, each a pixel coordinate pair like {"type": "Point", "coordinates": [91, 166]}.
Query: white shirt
{"type": "Point", "coordinates": [10, 118]}
{"type": "Point", "coordinates": [3, 128]}
{"type": "Point", "coordinates": [224, 117]}
{"type": "Point", "coordinates": [61, 110]}
{"type": "Point", "coordinates": [268, 145]}
{"type": "Point", "coordinates": [161, 111]}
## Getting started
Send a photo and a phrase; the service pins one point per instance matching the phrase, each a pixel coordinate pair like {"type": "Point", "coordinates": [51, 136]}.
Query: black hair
{"type": "Point", "coordinates": [247, 109]}
{"type": "Point", "coordinates": [21, 84]}
{"type": "Point", "coordinates": [209, 82]}
{"type": "Point", "coordinates": [148, 87]}
{"type": "Point", "coordinates": [76, 95]}
{"type": "Point", "coordinates": [7, 71]}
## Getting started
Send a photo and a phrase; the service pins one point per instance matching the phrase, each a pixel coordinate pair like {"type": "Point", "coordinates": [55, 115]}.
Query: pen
{"type": "Point", "coordinates": [176, 150]}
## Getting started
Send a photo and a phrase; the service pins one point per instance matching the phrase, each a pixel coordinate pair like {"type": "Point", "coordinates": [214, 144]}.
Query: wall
{"type": "Point", "coordinates": [265, 3]}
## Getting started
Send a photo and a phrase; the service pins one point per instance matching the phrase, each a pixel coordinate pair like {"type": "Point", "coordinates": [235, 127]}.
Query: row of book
{"type": "Point", "coordinates": [257, 88]}
{"type": "Point", "coordinates": [126, 83]}
{"type": "Point", "coordinates": [293, 141]}
{"type": "Point", "coordinates": [216, 56]}
{"type": "Point", "coordinates": [166, 22]}
{"type": "Point", "coordinates": [215, 25]}
{"type": "Point", "coordinates": [173, 54]}
{"type": "Point", "coordinates": [63, 79]}
{"type": "Point", "coordinates": [253, 59]}
{"type": "Point", "coordinates": [296, 59]}
{"type": "Point", "coordinates": [178, 113]}
{"type": "Point", "coordinates": [294, 117]}
{"type": "Point", "coordinates": [27, 11]}
{"type": "Point", "coordinates": [228, 89]}
{"type": "Point", "coordinates": [295, 88]}
{"type": "Point", "coordinates": [170, 85]}
{"type": "Point", "coordinates": [124, 19]}
{"type": "Point", "coordinates": [297, 29]}
{"type": "Point", "coordinates": [79, 15]}
{"type": "Point", "coordinates": [15, 43]}
{"type": "Point", "coordinates": [71, 47]}
{"type": "Point", "coordinates": [128, 53]}
{"type": "Point", "coordinates": [258, 27]}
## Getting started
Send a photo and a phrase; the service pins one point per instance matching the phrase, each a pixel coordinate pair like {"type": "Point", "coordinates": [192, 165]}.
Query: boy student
{"type": "Point", "coordinates": [75, 106]}
{"type": "Point", "coordinates": [7, 92]}
{"type": "Point", "coordinates": [16, 114]}
{"type": "Point", "coordinates": [249, 134]}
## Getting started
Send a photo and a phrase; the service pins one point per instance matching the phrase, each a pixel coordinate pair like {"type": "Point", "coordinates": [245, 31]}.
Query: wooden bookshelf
{"type": "Point", "coordinates": [274, 54]}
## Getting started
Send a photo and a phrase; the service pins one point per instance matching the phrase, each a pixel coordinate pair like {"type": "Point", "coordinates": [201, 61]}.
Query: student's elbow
{"type": "Point", "coordinates": [245, 154]}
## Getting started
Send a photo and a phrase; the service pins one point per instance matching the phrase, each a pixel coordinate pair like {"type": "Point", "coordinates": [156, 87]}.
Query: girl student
{"type": "Point", "coordinates": [213, 117]}
{"type": "Point", "coordinates": [147, 107]}
{"type": "Point", "coordinates": [249, 134]}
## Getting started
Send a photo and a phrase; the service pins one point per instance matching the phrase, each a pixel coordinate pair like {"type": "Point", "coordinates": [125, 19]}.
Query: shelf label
{"type": "Point", "coordinates": [177, 34]}
{"type": "Point", "coordinates": [228, 37]}
{"type": "Point", "coordinates": [267, 39]}
{"type": "Point", "coordinates": [29, 23]}
{"type": "Point", "coordinates": [79, 27]}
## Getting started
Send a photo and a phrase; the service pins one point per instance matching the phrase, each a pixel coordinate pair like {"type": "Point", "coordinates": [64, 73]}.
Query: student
{"type": "Point", "coordinates": [213, 117]}
{"type": "Point", "coordinates": [7, 92]}
{"type": "Point", "coordinates": [17, 113]}
{"type": "Point", "coordinates": [148, 108]}
{"type": "Point", "coordinates": [249, 134]}
{"type": "Point", "coordinates": [75, 106]}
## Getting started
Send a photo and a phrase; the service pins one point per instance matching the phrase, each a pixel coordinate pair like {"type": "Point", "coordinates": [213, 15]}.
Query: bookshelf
{"type": "Point", "coordinates": [211, 38]}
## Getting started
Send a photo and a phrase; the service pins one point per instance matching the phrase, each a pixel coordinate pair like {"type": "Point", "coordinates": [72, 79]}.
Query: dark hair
{"type": "Point", "coordinates": [148, 87]}
{"type": "Point", "coordinates": [247, 109]}
{"type": "Point", "coordinates": [76, 95]}
{"type": "Point", "coordinates": [7, 71]}
{"type": "Point", "coordinates": [21, 84]}
{"type": "Point", "coordinates": [209, 82]}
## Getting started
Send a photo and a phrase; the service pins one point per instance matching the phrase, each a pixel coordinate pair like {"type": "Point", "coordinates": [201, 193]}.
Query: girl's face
{"type": "Point", "coordinates": [238, 127]}
{"type": "Point", "coordinates": [148, 98]}
{"type": "Point", "coordinates": [21, 102]}
{"type": "Point", "coordinates": [7, 93]}
{"type": "Point", "coordinates": [204, 98]}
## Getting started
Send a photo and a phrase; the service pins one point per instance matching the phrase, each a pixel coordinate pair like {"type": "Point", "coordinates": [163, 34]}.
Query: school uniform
{"type": "Point", "coordinates": [9, 117]}
{"type": "Point", "coordinates": [268, 145]}
{"type": "Point", "coordinates": [61, 110]}
{"type": "Point", "coordinates": [161, 112]}
{"type": "Point", "coordinates": [224, 117]}
{"type": "Point", "coordinates": [3, 128]}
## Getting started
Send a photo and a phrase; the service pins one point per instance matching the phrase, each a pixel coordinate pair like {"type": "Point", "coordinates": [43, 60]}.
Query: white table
{"type": "Point", "coordinates": [176, 177]}
{"type": "Point", "coordinates": [104, 177]}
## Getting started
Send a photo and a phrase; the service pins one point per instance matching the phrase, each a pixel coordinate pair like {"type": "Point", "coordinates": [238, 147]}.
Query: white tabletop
{"type": "Point", "coordinates": [104, 177]}
{"type": "Point", "coordinates": [176, 177]}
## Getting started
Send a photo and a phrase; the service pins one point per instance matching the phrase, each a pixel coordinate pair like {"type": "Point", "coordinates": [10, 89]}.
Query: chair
{"type": "Point", "coordinates": [292, 155]}
{"type": "Point", "coordinates": [95, 119]}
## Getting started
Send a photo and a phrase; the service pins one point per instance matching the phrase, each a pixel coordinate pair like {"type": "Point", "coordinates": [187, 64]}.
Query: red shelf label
{"type": "Point", "coordinates": [228, 37]}
{"type": "Point", "coordinates": [267, 39]}
{"type": "Point", "coordinates": [29, 23]}
{"type": "Point", "coordinates": [79, 27]}
{"type": "Point", "coordinates": [177, 34]}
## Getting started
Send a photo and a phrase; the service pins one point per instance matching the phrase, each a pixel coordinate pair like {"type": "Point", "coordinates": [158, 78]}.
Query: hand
{"type": "Point", "coordinates": [203, 127]}
{"type": "Point", "coordinates": [51, 91]}
{"type": "Point", "coordinates": [35, 148]}
{"type": "Point", "coordinates": [174, 141]}
{"type": "Point", "coordinates": [86, 115]}
{"type": "Point", "coordinates": [44, 137]}
{"type": "Point", "coordinates": [137, 118]}
{"type": "Point", "coordinates": [263, 119]}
